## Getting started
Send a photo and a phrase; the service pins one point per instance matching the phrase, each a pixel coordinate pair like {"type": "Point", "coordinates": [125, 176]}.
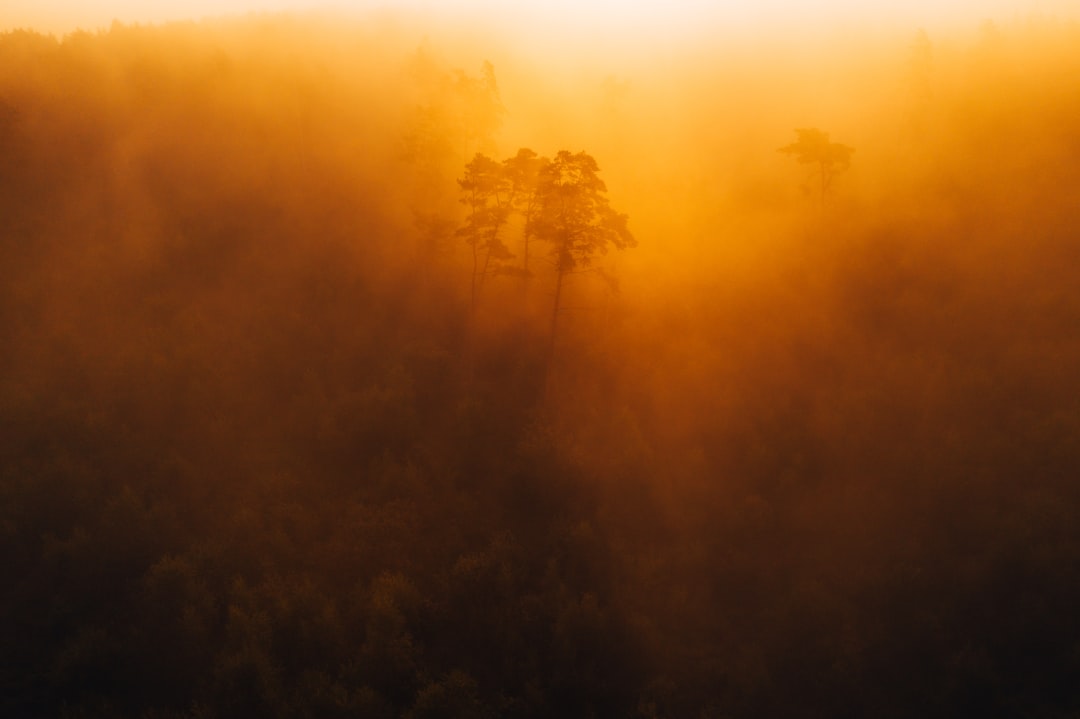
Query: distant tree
{"type": "Point", "coordinates": [486, 192]}
{"type": "Point", "coordinates": [435, 233]}
{"type": "Point", "coordinates": [481, 109]}
{"type": "Point", "coordinates": [828, 159]}
{"type": "Point", "coordinates": [456, 112]}
{"type": "Point", "coordinates": [522, 173]}
{"type": "Point", "coordinates": [574, 216]}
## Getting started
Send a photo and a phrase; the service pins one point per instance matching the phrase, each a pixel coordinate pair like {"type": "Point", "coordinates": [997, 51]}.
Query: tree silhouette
{"type": "Point", "coordinates": [574, 215]}
{"type": "Point", "coordinates": [523, 172]}
{"type": "Point", "coordinates": [828, 159]}
{"type": "Point", "coordinates": [486, 192]}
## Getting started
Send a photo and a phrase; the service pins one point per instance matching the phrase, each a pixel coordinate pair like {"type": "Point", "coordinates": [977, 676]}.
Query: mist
{"type": "Point", "coordinates": [398, 364]}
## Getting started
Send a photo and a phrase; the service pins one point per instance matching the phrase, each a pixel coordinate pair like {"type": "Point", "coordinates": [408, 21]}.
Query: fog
{"type": "Point", "coordinates": [557, 21]}
{"type": "Point", "coordinates": [751, 390]}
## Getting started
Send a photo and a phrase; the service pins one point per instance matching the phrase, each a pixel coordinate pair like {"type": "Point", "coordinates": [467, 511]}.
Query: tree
{"type": "Point", "coordinates": [481, 108]}
{"type": "Point", "coordinates": [485, 191]}
{"type": "Point", "coordinates": [828, 158]}
{"type": "Point", "coordinates": [456, 113]}
{"type": "Point", "coordinates": [523, 172]}
{"type": "Point", "coordinates": [574, 215]}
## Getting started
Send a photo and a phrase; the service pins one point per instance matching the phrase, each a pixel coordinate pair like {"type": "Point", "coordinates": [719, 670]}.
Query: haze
{"type": "Point", "coordinates": [586, 361]}
{"type": "Point", "coordinates": [644, 17]}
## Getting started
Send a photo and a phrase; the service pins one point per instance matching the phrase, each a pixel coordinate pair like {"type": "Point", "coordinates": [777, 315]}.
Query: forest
{"type": "Point", "coordinates": [366, 369]}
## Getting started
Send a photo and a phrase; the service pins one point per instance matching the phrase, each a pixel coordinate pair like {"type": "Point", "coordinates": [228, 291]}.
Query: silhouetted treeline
{"type": "Point", "coordinates": [266, 452]}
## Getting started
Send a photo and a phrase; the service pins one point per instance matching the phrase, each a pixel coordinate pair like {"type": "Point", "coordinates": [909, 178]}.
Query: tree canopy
{"type": "Point", "coordinates": [828, 158]}
{"type": "Point", "coordinates": [485, 191]}
{"type": "Point", "coordinates": [575, 215]}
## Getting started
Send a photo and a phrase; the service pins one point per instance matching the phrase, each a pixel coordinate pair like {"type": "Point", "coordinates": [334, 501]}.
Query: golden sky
{"type": "Point", "coordinates": [61, 16]}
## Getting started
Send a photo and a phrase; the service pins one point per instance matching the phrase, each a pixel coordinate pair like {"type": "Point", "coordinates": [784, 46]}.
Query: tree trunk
{"type": "Point", "coordinates": [491, 241]}
{"type": "Point", "coordinates": [472, 294]}
{"type": "Point", "coordinates": [561, 272]}
{"type": "Point", "coordinates": [555, 315]}
{"type": "Point", "coordinates": [525, 268]}
{"type": "Point", "coordinates": [487, 256]}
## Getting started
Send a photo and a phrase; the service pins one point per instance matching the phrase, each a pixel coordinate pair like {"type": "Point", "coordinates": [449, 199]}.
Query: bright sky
{"type": "Point", "coordinates": [62, 16]}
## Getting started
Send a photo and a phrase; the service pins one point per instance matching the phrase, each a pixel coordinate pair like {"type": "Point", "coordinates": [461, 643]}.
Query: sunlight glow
{"type": "Point", "coordinates": [572, 16]}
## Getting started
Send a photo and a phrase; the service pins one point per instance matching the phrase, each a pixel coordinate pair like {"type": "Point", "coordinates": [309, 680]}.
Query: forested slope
{"type": "Point", "coordinates": [261, 454]}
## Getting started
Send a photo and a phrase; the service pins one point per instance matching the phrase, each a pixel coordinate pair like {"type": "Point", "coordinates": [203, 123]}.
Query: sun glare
{"type": "Point", "coordinates": [641, 17]}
